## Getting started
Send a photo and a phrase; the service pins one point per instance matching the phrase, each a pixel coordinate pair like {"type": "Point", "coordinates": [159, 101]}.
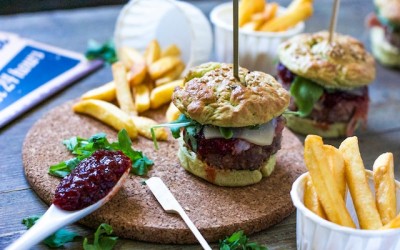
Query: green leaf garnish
{"type": "Point", "coordinates": [104, 51]}
{"type": "Point", "coordinates": [175, 127]}
{"type": "Point", "coordinates": [102, 240]}
{"type": "Point", "coordinates": [227, 133]}
{"type": "Point", "coordinates": [83, 148]}
{"type": "Point", "coordinates": [239, 241]}
{"type": "Point", "coordinates": [305, 94]}
{"type": "Point", "coordinates": [57, 239]}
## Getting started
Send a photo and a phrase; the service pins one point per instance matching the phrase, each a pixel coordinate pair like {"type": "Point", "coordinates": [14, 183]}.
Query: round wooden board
{"type": "Point", "coordinates": [135, 213]}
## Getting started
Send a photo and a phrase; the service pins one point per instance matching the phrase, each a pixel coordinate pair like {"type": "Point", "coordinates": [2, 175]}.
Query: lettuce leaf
{"type": "Point", "coordinates": [305, 93]}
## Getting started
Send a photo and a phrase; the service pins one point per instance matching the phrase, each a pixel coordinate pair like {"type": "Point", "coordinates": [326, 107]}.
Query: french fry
{"type": "Point", "coordinates": [364, 204]}
{"type": "Point", "coordinates": [295, 4]}
{"type": "Point", "coordinates": [144, 124]}
{"type": "Point", "coordinates": [142, 97]}
{"type": "Point", "coordinates": [162, 66]}
{"type": "Point", "coordinates": [129, 56]}
{"type": "Point", "coordinates": [171, 50]}
{"type": "Point", "coordinates": [107, 113]}
{"type": "Point", "coordinates": [246, 9]}
{"type": "Point", "coordinates": [289, 18]}
{"type": "Point", "coordinates": [134, 62]}
{"type": "Point", "coordinates": [105, 92]}
{"type": "Point", "coordinates": [153, 52]}
{"type": "Point", "coordinates": [385, 189]}
{"type": "Point", "coordinates": [395, 223]}
{"type": "Point", "coordinates": [171, 76]}
{"type": "Point", "coordinates": [258, 5]}
{"type": "Point", "coordinates": [258, 19]}
{"type": "Point", "coordinates": [311, 199]}
{"type": "Point", "coordinates": [336, 164]}
{"type": "Point", "coordinates": [324, 183]}
{"type": "Point", "coordinates": [172, 113]}
{"type": "Point", "coordinates": [123, 90]}
{"type": "Point", "coordinates": [163, 94]}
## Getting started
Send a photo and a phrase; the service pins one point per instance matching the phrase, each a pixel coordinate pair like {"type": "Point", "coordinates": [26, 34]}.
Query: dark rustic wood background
{"type": "Point", "coordinates": [71, 29]}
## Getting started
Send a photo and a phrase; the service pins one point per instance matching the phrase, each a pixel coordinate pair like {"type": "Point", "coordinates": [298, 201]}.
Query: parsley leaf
{"type": "Point", "coordinates": [305, 94]}
{"type": "Point", "coordinates": [102, 240]}
{"type": "Point", "coordinates": [83, 148]}
{"type": "Point", "coordinates": [104, 51]}
{"type": "Point", "coordinates": [239, 241]}
{"type": "Point", "coordinates": [58, 239]}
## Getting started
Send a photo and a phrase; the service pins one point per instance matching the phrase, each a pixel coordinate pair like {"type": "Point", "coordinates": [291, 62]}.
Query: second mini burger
{"type": "Point", "coordinates": [232, 128]}
{"type": "Point", "coordinates": [328, 82]}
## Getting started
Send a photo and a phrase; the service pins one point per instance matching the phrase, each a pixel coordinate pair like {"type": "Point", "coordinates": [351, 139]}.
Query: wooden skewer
{"type": "Point", "coordinates": [332, 26]}
{"type": "Point", "coordinates": [236, 39]}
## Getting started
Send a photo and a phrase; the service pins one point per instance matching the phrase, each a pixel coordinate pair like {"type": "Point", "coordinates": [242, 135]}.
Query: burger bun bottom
{"type": "Point", "coordinates": [307, 126]}
{"type": "Point", "coordinates": [383, 51]}
{"type": "Point", "coordinates": [222, 177]}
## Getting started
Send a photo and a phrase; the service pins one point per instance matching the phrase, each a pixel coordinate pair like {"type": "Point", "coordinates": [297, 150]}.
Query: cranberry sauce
{"type": "Point", "coordinates": [236, 153]}
{"type": "Point", "coordinates": [91, 180]}
{"type": "Point", "coordinates": [285, 75]}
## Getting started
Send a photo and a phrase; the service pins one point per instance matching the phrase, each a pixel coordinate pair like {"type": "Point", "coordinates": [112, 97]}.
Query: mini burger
{"type": "Point", "coordinates": [385, 32]}
{"type": "Point", "coordinates": [327, 82]}
{"type": "Point", "coordinates": [232, 128]}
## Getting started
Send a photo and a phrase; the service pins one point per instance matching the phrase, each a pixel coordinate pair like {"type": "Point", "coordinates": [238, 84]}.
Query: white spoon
{"type": "Point", "coordinates": [56, 218]}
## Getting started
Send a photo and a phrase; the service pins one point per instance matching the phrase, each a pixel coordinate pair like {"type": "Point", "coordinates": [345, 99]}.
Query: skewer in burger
{"type": "Point", "coordinates": [328, 83]}
{"type": "Point", "coordinates": [231, 129]}
{"type": "Point", "coordinates": [385, 32]}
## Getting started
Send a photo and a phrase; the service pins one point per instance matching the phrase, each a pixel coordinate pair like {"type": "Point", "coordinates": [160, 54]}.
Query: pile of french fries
{"type": "Point", "coordinates": [257, 15]}
{"type": "Point", "coordinates": [140, 82]}
{"type": "Point", "coordinates": [332, 171]}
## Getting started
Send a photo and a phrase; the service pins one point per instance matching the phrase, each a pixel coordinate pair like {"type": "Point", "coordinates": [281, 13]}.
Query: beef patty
{"type": "Point", "coordinates": [234, 153]}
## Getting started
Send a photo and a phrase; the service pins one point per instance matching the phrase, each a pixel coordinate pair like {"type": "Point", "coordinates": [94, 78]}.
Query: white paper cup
{"type": "Point", "coordinates": [313, 232]}
{"type": "Point", "coordinates": [257, 50]}
{"type": "Point", "coordinates": [168, 21]}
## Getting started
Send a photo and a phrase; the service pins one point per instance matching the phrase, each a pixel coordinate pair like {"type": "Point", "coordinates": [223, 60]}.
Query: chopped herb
{"type": "Point", "coordinates": [102, 240]}
{"type": "Point", "coordinates": [305, 93]}
{"type": "Point", "coordinates": [83, 148]}
{"type": "Point", "coordinates": [105, 51]}
{"type": "Point", "coordinates": [239, 241]}
{"type": "Point", "coordinates": [227, 133]}
{"type": "Point", "coordinates": [57, 239]}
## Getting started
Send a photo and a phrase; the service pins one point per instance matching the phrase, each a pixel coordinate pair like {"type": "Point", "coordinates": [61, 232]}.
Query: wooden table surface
{"type": "Point", "coordinates": [71, 29]}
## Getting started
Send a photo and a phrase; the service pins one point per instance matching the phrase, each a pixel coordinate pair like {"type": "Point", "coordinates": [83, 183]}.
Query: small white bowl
{"type": "Point", "coordinates": [257, 50]}
{"type": "Point", "coordinates": [168, 21]}
{"type": "Point", "coordinates": [313, 232]}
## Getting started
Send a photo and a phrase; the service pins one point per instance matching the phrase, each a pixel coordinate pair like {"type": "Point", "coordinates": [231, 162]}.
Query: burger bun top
{"type": "Point", "coordinates": [213, 96]}
{"type": "Point", "coordinates": [343, 63]}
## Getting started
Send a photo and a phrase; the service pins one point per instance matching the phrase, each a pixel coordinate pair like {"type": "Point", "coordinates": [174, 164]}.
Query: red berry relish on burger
{"type": "Point", "coordinates": [328, 83]}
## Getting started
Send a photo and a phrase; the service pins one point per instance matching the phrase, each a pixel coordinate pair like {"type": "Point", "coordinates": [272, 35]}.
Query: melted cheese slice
{"type": "Point", "coordinates": [261, 136]}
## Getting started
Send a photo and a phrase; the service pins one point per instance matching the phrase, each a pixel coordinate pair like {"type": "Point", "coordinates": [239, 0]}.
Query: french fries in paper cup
{"type": "Point", "coordinates": [315, 232]}
{"type": "Point", "coordinates": [261, 31]}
